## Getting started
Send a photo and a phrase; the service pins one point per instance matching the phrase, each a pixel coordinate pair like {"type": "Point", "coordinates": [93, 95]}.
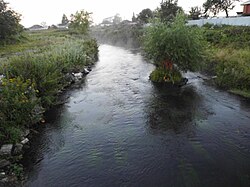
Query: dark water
{"type": "Point", "coordinates": [118, 129]}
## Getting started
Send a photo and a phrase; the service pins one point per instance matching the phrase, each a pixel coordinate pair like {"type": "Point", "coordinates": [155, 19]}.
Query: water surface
{"type": "Point", "coordinates": [118, 129]}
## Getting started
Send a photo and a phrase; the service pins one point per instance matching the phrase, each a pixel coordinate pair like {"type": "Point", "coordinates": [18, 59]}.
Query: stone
{"type": "Point", "coordinates": [25, 133]}
{"type": "Point", "coordinates": [4, 180]}
{"type": "Point", "coordinates": [4, 163]}
{"type": "Point", "coordinates": [2, 175]}
{"type": "Point", "coordinates": [18, 149]}
{"type": "Point", "coordinates": [25, 141]}
{"type": "Point", "coordinates": [70, 78]}
{"type": "Point", "coordinates": [89, 68]}
{"type": "Point", "coordinates": [77, 76]}
{"type": "Point", "coordinates": [85, 71]}
{"type": "Point", "coordinates": [6, 150]}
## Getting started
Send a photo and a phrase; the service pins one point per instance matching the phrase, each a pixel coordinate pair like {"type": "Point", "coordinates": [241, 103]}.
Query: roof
{"type": "Point", "coordinates": [246, 3]}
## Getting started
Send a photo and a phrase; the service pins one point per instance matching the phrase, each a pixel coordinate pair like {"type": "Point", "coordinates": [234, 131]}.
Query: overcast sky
{"type": "Point", "coordinates": [51, 11]}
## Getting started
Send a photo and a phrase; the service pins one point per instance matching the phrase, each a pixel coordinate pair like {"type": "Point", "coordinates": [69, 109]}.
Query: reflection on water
{"type": "Point", "coordinates": [174, 108]}
{"type": "Point", "coordinates": [118, 129]}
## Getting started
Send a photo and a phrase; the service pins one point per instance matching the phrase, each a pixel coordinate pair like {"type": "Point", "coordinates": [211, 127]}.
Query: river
{"type": "Point", "coordinates": [119, 129]}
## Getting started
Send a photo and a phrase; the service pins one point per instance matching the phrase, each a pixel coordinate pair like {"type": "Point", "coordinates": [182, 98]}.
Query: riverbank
{"type": "Point", "coordinates": [228, 57]}
{"type": "Point", "coordinates": [33, 73]}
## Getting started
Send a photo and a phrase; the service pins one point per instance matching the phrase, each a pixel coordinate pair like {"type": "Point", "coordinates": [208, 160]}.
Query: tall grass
{"type": "Point", "coordinates": [45, 72]}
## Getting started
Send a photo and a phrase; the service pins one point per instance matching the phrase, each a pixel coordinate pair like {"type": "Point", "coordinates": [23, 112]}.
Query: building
{"type": "Point", "coordinates": [246, 9]}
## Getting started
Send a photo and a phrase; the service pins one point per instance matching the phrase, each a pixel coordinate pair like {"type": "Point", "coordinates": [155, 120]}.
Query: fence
{"type": "Point", "coordinates": [243, 21]}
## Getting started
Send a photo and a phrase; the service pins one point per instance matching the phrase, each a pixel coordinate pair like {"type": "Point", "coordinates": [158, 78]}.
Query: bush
{"type": "Point", "coordinates": [19, 107]}
{"type": "Point", "coordinates": [33, 80]}
{"type": "Point", "coordinates": [10, 29]}
{"type": "Point", "coordinates": [228, 36]}
{"type": "Point", "coordinates": [47, 69]}
{"type": "Point", "coordinates": [233, 69]}
{"type": "Point", "coordinates": [180, 44]}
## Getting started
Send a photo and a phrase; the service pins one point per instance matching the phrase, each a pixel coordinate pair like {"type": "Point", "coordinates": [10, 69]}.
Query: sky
{"type": "Point", "coordinates": [51, 11]}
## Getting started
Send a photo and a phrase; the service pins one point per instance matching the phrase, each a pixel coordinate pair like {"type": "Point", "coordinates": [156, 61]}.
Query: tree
{"type": "Point", "coordinates": [134, 18]}
{"type": "Point", "coordinates": [65, 20]}
{"type": "Point", "coordinates": [117, 19]}
{"type": "Point", "coordinates": [168, 10]}
{"type": "Point", "coordinates": [145, 15]}
{"type": "Point", "coordinates": [9, 23]}
{"type": "Point", "coordinates": [44, 24]}
{"type": "Point", "coordinates": [215, 6]}
{"type": "Point", "coordinates": [80, 22]}
{"type": "Point", "coordinates": [195, 13]}
{"type": "Point", "coordinates": [173, 47]}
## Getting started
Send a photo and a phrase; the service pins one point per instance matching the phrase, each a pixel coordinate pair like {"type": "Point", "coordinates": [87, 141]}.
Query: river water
{"type": "Point", "coordinates": [118, 129]}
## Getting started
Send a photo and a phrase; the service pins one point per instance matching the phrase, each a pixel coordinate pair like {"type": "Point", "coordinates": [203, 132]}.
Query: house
{"type": "Point", "coordinates": [63, 26]}
{"type": "Point", "coordinates": [246, 9]}
{"type": "Point", "coordinates": [36, 27]}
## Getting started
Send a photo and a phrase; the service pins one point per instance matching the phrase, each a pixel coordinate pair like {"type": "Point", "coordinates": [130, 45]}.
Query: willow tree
{"type": "Point", "coordinates": [173, 47]}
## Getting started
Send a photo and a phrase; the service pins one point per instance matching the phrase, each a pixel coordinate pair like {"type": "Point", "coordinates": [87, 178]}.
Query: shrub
{"type": "Point", "coordinates": [10, 29]}
{"type": "Point", "coordinates": [228, 36]}
{"type": "Point", "coordinates": [19, 107]}
{"type": "Point", "coordinates": [233, 68]}
{"type": "Point", "coordinates": [47, 69]}
{"type": "Point", "coordinates": [33, 80]}
{"type": "Point", "coordinates": [178, 43]}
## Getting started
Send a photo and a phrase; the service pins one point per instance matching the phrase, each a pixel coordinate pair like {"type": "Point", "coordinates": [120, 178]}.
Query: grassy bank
{"type": "Point", "coordinates": [229, 57]}
{"type": "Point", "coordinates": [35, 71]}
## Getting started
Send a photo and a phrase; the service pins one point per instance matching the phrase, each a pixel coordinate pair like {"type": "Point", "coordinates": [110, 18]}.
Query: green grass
{"type": "Point", "coordinates": [243, 93]}
{"type": "Point", "coordinates": [36, 70]}
{"type": "Point", "coordinates": [34, 40]}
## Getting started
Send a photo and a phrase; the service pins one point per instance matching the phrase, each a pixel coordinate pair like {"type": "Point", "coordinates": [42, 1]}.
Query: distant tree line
{"type": "Point", "coordinates": [168, 10]}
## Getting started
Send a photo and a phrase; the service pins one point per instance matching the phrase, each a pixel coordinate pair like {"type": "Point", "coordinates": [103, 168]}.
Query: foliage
{"type": "Point", "coordinates": [228, 57]}
{"type": "Point", "coordinates": [195, 13]}
{"type": "Point", "coordinates": [245, 93]}
{"type": "Point", "coordinates": [164, 75]}
{"type": "Point", "coordinates": [177, 43]}
{"type": "Point", "coordinates": [117, 19]}
{"type": "Point", "coordinates": [19, 106]}
{"type": "Point", "coordinates": [9, 24]}
{"type": "Point", "coordinates": [17, 169]}
{"type": "Point", "coordinates": [228, 36]}
{"type": "Point", "coordinates": [233, 68]}
{"type": "Point", "coordinates": [168, 10]}
{"type": "Point", "coordinates": [65, 20]}
{"type": "Point", "coordinates": [34, 78]}
{"type": "Point", "coordinates": [215, 6]}
{"type": "Point", "coordinates": [47, 68]}
{"type": "Point", "coordinates": [145, 15]}
{"type": "Point", "coordinates": [80, 22]}
{"type": "Point", "coordinates": [134, 18]}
